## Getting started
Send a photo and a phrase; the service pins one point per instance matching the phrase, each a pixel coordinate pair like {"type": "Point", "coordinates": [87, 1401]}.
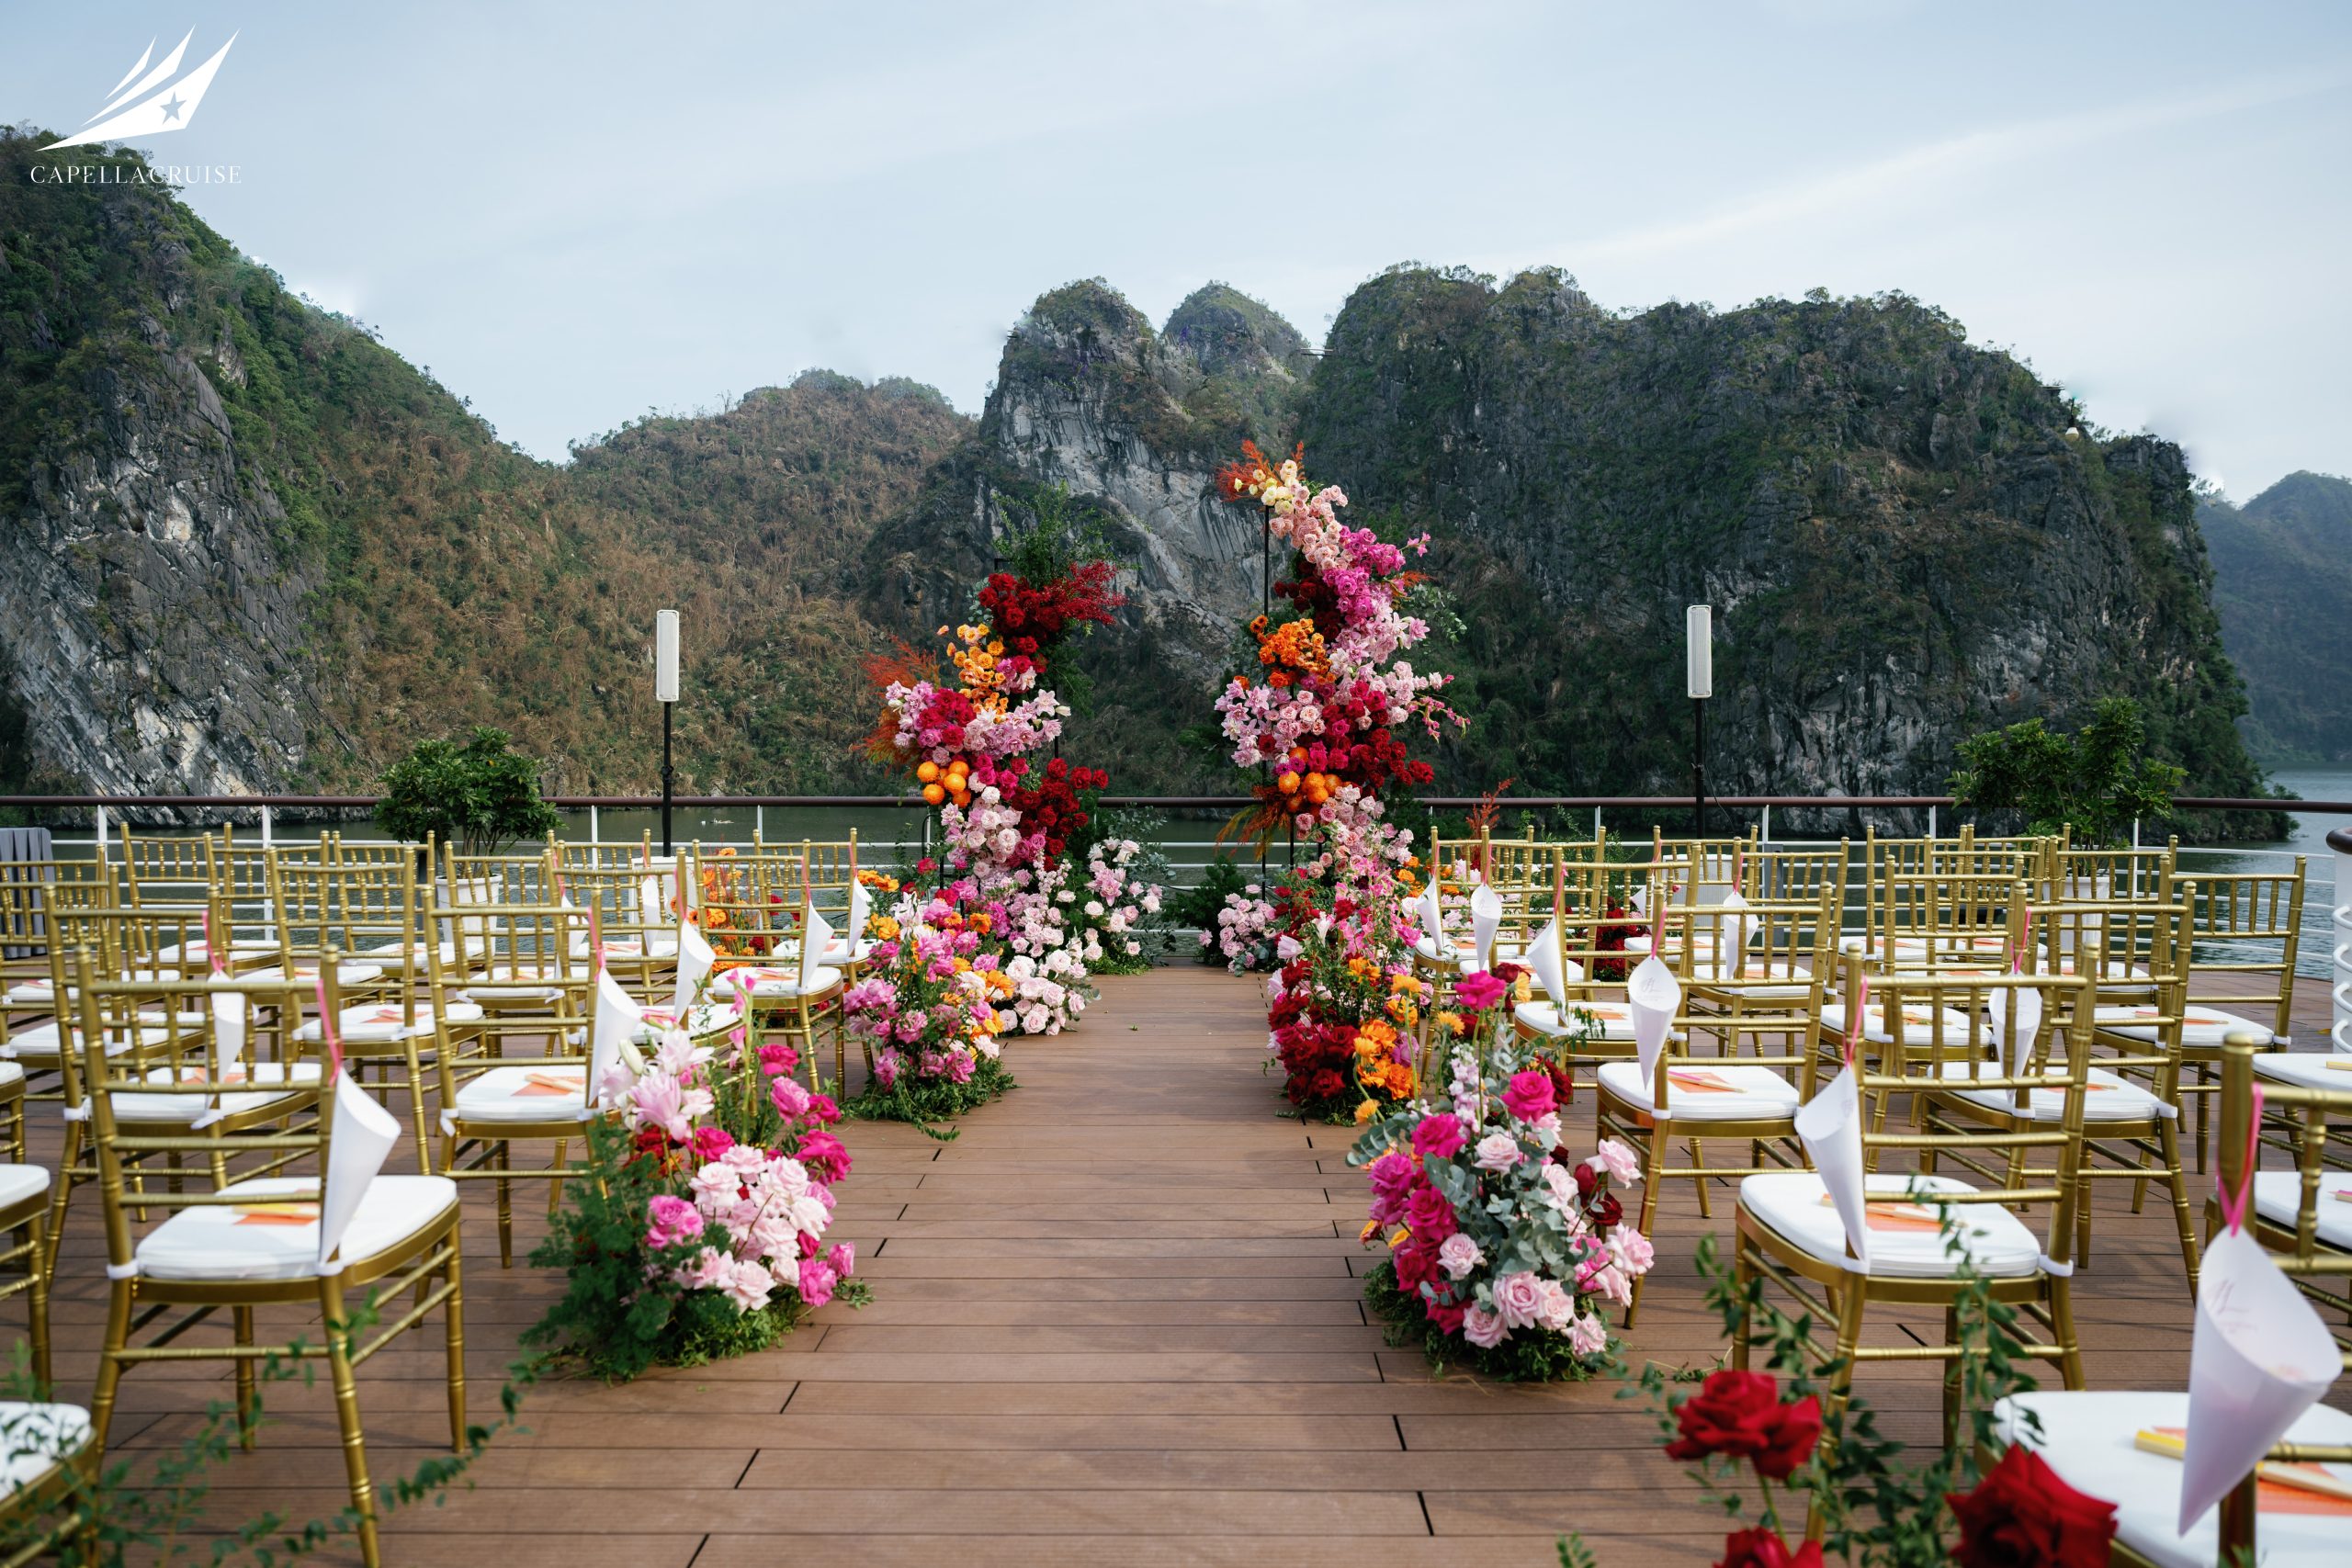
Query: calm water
{"type": "Point", "coordinates": [2309, 840]}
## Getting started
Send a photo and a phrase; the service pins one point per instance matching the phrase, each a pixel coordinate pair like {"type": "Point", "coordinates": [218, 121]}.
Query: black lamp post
{"type": "Point", "coordinates": [665, 692]}
{"type": "Point", "coordinates": [1700, 661]}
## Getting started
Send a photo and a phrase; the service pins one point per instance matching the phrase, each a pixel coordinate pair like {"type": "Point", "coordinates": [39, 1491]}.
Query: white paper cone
{"type": "Point", "coordinates": [695, 959]}
{"type": "Point", "coordinates": [1431, 917]}
{"type": "Point", "coordinates": [1656, 997]}
{"type": "Point", "coordinates": [1830, 1124]}
{"type": "Point", "coordinates": [813, 942]}
{"type": "Point", "coordinates": [2014, 1052]}
{"type": "Point", "coordinates": [618, 1020]}
{"type": "Point", "coordinates": [1545, 961]}
{"type": "Point", "coordinates": [1485, 915]}
{"type": "Point", "coordinates": [861, 910]}
{"type": "Point", "coordinates": [228, 1033]}
{"type": "Point", "coordinates": [364, 1133]}
{"type": "Point", "coordinates": [649, 900]}
{"type": "Point", "coordinates": [2259, 1358]}
{"type": "Point", "coordinates": [1730, 939]}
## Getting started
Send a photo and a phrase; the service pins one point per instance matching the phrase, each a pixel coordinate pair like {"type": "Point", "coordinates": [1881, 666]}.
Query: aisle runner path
{"type": "Point", "coordinates": [1116, 1321]}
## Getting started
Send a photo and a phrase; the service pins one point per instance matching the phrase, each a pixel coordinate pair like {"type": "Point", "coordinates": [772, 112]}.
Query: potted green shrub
{"type": "Point", "coordinates": [2094, 781]}
{"type": "Point", "coordinates": [477, 794]}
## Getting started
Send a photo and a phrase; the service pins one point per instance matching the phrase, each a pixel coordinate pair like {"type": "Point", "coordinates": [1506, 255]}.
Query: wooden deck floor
{"type": "Point", "coordinates": [1116, 1321]}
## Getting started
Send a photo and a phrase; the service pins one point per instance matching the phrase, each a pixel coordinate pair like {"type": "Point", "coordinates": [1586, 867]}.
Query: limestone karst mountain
{"type": "Point", "coordinates": [243, 546]}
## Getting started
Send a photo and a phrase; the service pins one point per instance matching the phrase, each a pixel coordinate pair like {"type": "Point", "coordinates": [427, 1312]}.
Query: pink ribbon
{"type": "Point", "coordinates": [2233, 1208]}
{"type": "Point", "coordinates": [212, 952]}
{"type": "Point", "coordinates": [1855, 1022]}
{"type": "Point", "coordinates": [2024, 944]}
{"type": "Point", "coordinates": [327, 1031]}
{"type": "Point", "coordinates": [596, 936]}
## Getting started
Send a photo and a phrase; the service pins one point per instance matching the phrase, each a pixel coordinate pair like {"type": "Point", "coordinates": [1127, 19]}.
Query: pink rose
{"type": "Point", "coordinates": [1558, 1306]}
{"type": "Point", "coordinates": [1617, 1157]}
{"type": "Point", "coordinates": [1498, 1150]}
{"type": "Point", "coordinates": [1457, 1254]}
{"type": "Point", "coordinates": [1479, 991]}
{"type": "Point", "coordinates": [841, 1258]}
{"type": "Point", "coordinates": [1529, 1096]}
{"type": "Point", "coordinates": [1483, 1328]}
{"type": "Point", "coordinates": [1519, 1298]}
{"type": "Point", "coordinates": [817, 1281]}
{"type": "Point", "coordinates": [1631, 1250]}
{"type": "Point", "coordinates": [1587, 1335]}
{"type": "Point", "coordinates": [674, 1220]}
{"type": "Point", "coordinates": [1428, 1215]}
{"type": "Point", "coordinates": [791, 1099]}
{"type": "Point", "coordinates": [1435, 1137]}
{"type": "Point", "coordinates": [712, 1143]}
{"type": "Point", "coordinates": [1392, 1176]}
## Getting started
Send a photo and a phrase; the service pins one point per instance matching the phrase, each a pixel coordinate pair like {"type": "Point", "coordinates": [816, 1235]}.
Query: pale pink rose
{"type": "Point", "coordinates": [748, 1285]}
{"type": "Point", "coordinates": [1587, 1335]}
{"type": "Point", "coordinates": [1617, 1156]}
{"type": "Point", "coordinates": [1498, 1150]}
{"type": "Point", "coordinates": [1483, 1328]}
{"type": "Point", "coordinates": [1519, 1298]}
{"type": "Point", "coordinates": [1609, 1281]}
{"type": "Point", "coordinates": [707, 1271]}
{"type": "Point", "coordinates": [1631, 1251]}
{"type": "Point", "coordinates": [1558, 1306]}
{"type": "Point", "coordinates": [1457, 1254]}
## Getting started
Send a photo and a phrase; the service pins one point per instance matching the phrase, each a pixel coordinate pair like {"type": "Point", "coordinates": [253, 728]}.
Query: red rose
{"type": "Point", "coordinates": [1764, 1549]}
{"type": "Point", "coordinates": [2022, 1516]}
{"type": "Point", "coordinates": [1739, 1415]}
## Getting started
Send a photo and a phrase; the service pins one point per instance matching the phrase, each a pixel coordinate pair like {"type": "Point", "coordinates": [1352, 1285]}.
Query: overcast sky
{"type": "Point", "coordinates": [574, 213]}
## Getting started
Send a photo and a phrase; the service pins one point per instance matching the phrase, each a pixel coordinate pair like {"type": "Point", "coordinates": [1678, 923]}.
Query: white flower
{"type": "Point", "coordinates": [1498, 1152]}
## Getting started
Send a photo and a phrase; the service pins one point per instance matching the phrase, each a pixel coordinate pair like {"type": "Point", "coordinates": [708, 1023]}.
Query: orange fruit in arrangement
{"type": "Point", "coordinates": [1287, 784]}
{"type": "Point", "coordinates": [933, 794]}
{"type": "Point", "coordinates": [928, 772]}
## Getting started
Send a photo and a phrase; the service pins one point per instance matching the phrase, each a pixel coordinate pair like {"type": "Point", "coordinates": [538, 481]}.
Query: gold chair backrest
{"type": "Point", "coordinates": [2307, 1117]}
{"type": "Point", "coordinates": [1931, 920]}
{"type": "Point", "coordinates": [109, 1009]}
{"type": "Point", "coordinates": [2247, 926]}
{"type": "Point", "coordinates": [176, 869]}
{"type": "Point", "coordinates": [2074, 875]}
{"type": "Point", "coordinates": [30, 889]}
{"type": "Point", "coordinates": [544, 945]}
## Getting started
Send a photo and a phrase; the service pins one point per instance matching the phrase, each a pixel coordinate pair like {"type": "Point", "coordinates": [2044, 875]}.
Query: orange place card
{"type": "Point", "coordinates": [536, 1084]}
{"type": "Point", "coordinates": [1698, 1080]}
{"type": "Point", "coordinates": [1894, 1216]}
{"type": "Point", "coordinates": [277, 1213]}
{"type": "Point", "coordinates": [2302, 1489]}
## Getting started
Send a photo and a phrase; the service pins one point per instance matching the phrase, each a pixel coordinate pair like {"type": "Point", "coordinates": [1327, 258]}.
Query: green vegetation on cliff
{"type": "Point", "coordinates": [2282, 583]}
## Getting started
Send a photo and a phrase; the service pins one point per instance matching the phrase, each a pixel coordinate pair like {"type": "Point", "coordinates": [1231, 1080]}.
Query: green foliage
{"type": "Point", "coordinates": [476, 794]}
{"type": "Point", "coordinates": [1879, 1510]}
{"type": "Point", "coordinates": [932, 1099]}
{"type": "Point", "coordinates": [2097, 782]}
{"type": "Point", "coordinates": [2282, 574]}
{"type": "Point", "coordinates": [1531, 1356]}
{"type": "Point", "coordinates": [1198, 905]}
{"type": "Point", "coordinates": [141, 1508]}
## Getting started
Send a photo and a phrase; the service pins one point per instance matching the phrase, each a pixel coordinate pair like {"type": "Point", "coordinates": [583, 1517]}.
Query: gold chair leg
{"type": "Point", "coordinates": [454, 1332]}
{"type": "Point", "coordinates": [1650, 1179]}
{"type": "Point", "coordinates": [2062, 1329]}
{"type": "Point", "coordinates": [1699, 1164]}
{"type": "Point", "coordinates": [2183, 1223]}
{"type": "Point", "coordinates": [37, 1300]}
{"type": "Point", "coordinates": [109, 1365]}
{"type": "Point", "coordinates": [248, 1409]}
{"type": "Point", "coordinates": [555, 1184]}
{"type": "Point", "coordinates": [506, 1205]}
{"type": "Point", "coordinates": [61, 1196]}
{"type": "Point", "coordinates": [346, 1410]}
{"type": "Point", "coordinates": [1743, 1275]}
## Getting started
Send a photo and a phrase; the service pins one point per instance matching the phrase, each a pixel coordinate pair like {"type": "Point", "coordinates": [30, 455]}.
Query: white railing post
{"type": "Point", "coordinates": [265, 826]}
{"type": "Point", "coordinates": [1766, 839]}
{"type": "Point", "coordinates": [2135, 832]}
{"type": "Point", "coordinates": [595, 832]}
{"type": "Point", "coordinates": [102, 835]}
{"type": "Point", "coordinates": [759, 823]}
{"type": "Point", "coordinates": [1931, 821]}
{"type": "Point", "coordinates": [2340, 1032]}
{"type": "Point", "coordinates": [1596, 824]}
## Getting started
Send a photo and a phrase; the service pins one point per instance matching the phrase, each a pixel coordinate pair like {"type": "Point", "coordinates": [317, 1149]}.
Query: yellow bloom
{"type": "Point", "coordinates": [1371, 1227]}
{"type": "Point", "coordinates": [1398, 1237]}
{"type": "Point", "coordinates": [1450, 1020]}
{"type": "Point", "coordinates": [1365, 1111]}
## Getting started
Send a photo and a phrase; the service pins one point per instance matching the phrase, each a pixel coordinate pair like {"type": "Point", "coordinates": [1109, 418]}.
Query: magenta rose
{"type": "Point", "coordinates": [1480, 991]}
{"type": "Point", "coordinates": [817, 1281]}
{"type": "Point", "coordinates": [1529, 1096]}
{"type": "Point", "coordinates": [1392, 1176]}
{"type": "Point", "coordinates": [1435, 1137]}
{"type": "Point", "coordinates": [1428, 1215]}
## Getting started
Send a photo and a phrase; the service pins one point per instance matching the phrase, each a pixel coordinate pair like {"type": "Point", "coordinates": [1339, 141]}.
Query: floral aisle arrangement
{"type": "Point", "coordinates": [700, 1231]}
{"type": "Point", "coordinates": [1115, 909]}
{"type": "Point", "coordinates": [932, 1006]}
{"type": "Point", "coordinates": [1341, 1009]}
{"type": "Point", "coordinates": [1506, 1253]}
{"type": "Point", "coordinates": [1768, 1430]}
{"type": "Point", "coordinates": [1246, 932]}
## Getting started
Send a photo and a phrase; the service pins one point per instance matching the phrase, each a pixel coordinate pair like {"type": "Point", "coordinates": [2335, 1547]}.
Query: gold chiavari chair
{"type": "Point", "coordinates": [494, 879]}
{"type": "Point", "coordinates": [53, 1480]}
{"type": "Point", "coordinates": [168, 1046]}
{"type": "Point", "coordinates": [2130, 1125]}
{"type": "Point", "coordinates": [255, 1241]}
{"type": "Point", "coordinates": [1760, 996]}
{"type": "Point", "coordinates": [1792, 1237]}
{"type": "Point", "coordinates": [2071, 875]}
{"type": "Point", "coordinates": [1579, 963]}
{"type": "Point", "coordinates": [238, 874]}
{"type": "Point", "coordinates": [163, 871]}
{"type": "Point", "coordinates": [602, 854]}
{"type": "Point", "coordinates": [2246, 933]}
{"type": "Point", "coordinates": [2303, 1213]}
{"type": "Point", "coordinates": [127, 938]}
{"type": "Point", "coordinates": [24, 1207]}
{"type": "Point", "coordinates": [637, 933]}
{"type": "Point", "coordinates": [1940, 919]}
{"type": "Point", "coordinates": [514, 1076]}
{"type": "Point", "coordinates": [755, 909]}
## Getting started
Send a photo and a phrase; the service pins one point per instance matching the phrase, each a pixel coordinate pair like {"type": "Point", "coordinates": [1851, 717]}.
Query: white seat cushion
{"type": "Point", "coordinates": [347, 973]}
{"type": "Point", "coordinates": [276, 1234]}
{"type": "Point", "coordinates": [1611, 1021]}
{"type": "Point", "coordinates": [1457, 952]}
{"type": "Point", "coordinates": [11, 1073]}
{"type": "Point", "coordinates": [2276, 1194]}
{"type": "Point", "coordinates": [705, 1018]}
{"type": "Point", "coordinates": [1916, 948]}
{"type": "Point", "coordinates": [133, 1106]}
{"type": "Point", "coordinates": [547, 1093]}
{"type": "Point", "coordinates": [507, 985]}
{"type": "Point", "coordinates": [18, 1182]}
{"type": "Point", "coordinates": [42, 993]}
{"type": "Point", "coordinates": [414, 952]}
{"type": "Point", "coordinates": [1704, 1092]}
{"type": "Point", "coordinates": [197, 951]}
{"type": "Point", "coordinates": [2087, 1439]}
{"type": "Point", "coordinates": [2105, 1097]}
{"type": "Point", "coordinates": [1905, 1241]}
{"type": "Point", "coordinates": [40, 1438]}
{"type": "Point", "coordinates": [1918, 1024]}
{"type": "Point", "coordinates": [841, 953]}
{"type": "Point", "coordinates": [375, 1022]}
{"type": "Point", "coordinates": [2201, 1027]}
{"type": "Point", "coordinates": [767, 983]}
{"type": "Point", "coordinates": [630, 948]}
{"type": "Point", "coordinates": [2312, 1069]}
{"type": "Point", "coordinates": [38, 1046]}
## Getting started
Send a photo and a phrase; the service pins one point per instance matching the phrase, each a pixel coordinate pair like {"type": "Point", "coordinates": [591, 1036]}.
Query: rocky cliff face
{"type": "Point", "coordinates": [2282, 583]}
{"type": "Point", "coordinates": [1906, 539]}
{"type": "Point", "coordinates": [1132, 424]}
